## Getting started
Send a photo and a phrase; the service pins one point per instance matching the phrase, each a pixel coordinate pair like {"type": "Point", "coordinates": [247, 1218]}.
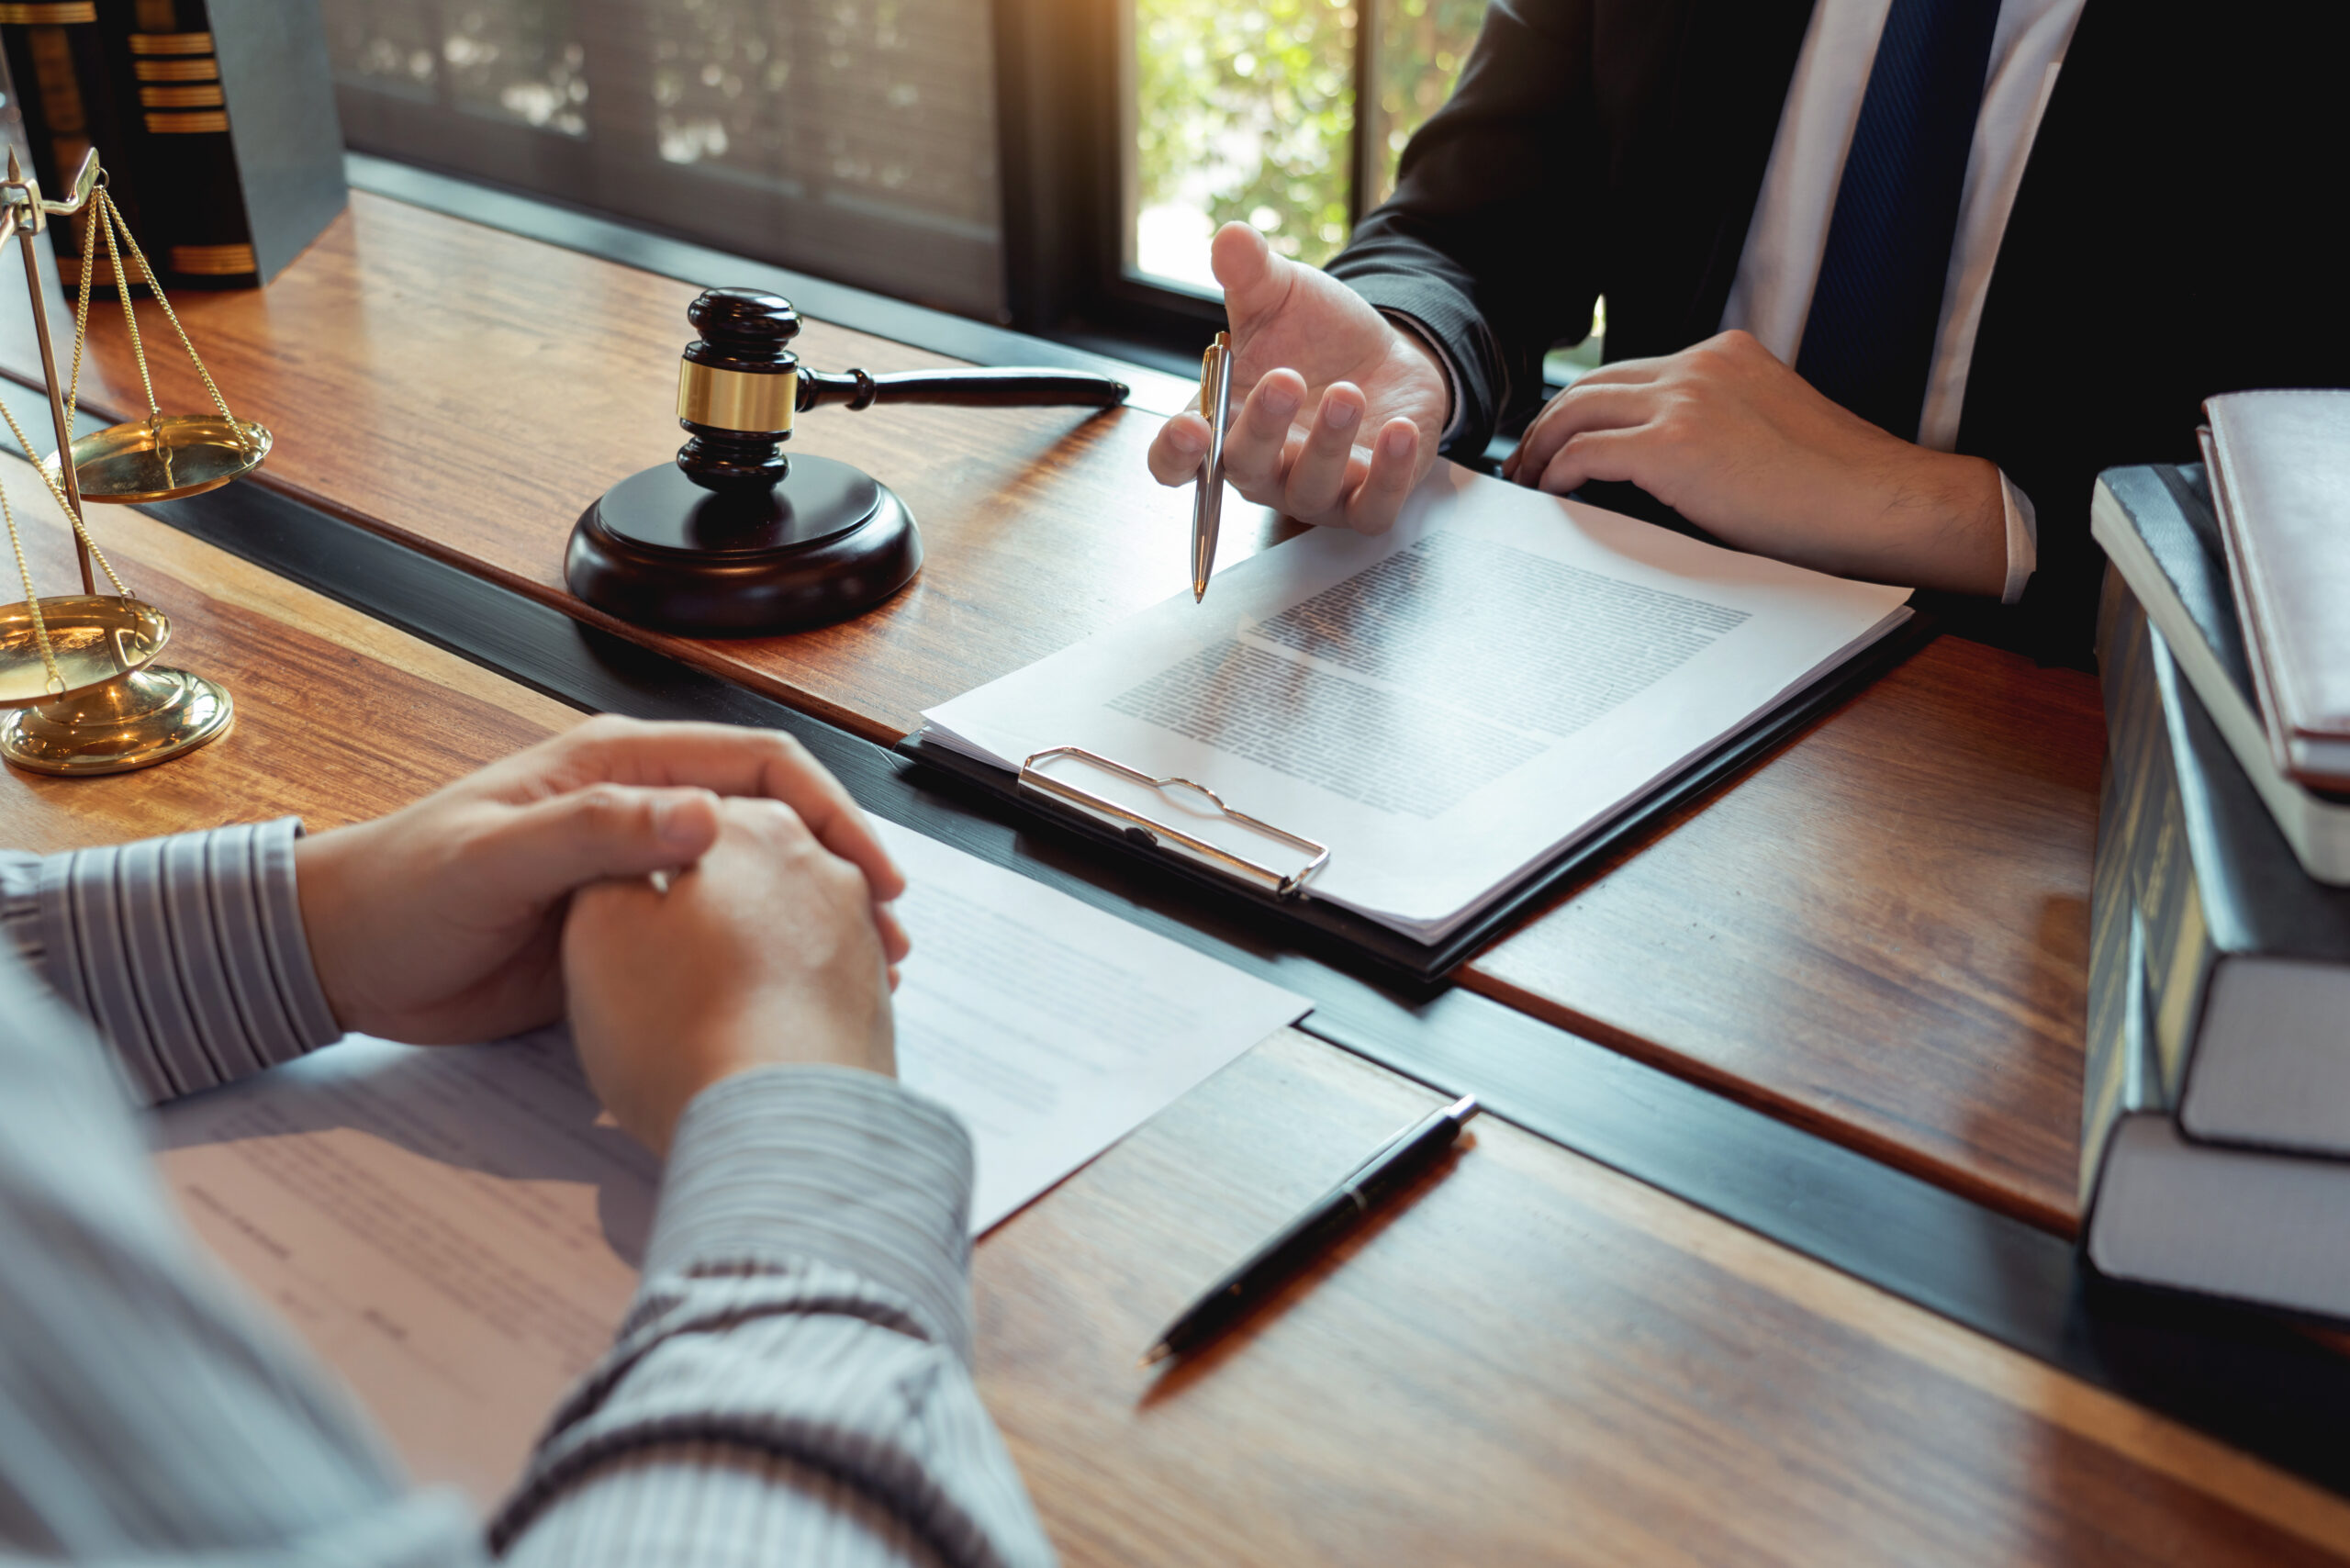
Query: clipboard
{"type": "Point", "coordinates": [1274, 891]}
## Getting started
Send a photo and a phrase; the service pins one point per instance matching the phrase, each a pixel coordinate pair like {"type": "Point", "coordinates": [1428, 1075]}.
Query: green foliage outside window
{"type": "Point", "coordinates": [1422, 46]}
{"type": "Point", "coordinates": [1248, 109]}
{"type": "Point", "coordinates": [1245, 111]}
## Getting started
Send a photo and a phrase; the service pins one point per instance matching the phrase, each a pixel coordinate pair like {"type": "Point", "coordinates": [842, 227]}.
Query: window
{"type": "Point", "coordinates": [1058, 165]}
{"type": "Point", "coordinates": [1285, 113]}
{"type": "Point", "coordinates": [854, 138]}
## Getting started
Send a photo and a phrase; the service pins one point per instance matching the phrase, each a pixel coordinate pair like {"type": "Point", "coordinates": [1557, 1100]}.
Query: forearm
{"type": "Point", "coordinates": [187, 953]}
{"type": "Point", "coordinates": [796, 1362]}
{"type": "Point", "coordinates": [1931, 520]}
{"type": "Point", "coordinates": [145, 1413]}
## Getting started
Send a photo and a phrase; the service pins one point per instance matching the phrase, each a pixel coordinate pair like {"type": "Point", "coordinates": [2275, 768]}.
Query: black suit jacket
{"type": "Point", "coordinates": [2171, 237]}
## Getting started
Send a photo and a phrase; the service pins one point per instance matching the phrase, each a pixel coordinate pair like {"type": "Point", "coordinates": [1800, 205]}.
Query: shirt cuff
{"type": "Point", "coordinates": [782, 1166]}
{"type": "Point", "coordinates": [2023, 539]}
{"type": "Point", "coordinates": [1419, 330]}
{"type": "Point", "coordinates": [187, 953]}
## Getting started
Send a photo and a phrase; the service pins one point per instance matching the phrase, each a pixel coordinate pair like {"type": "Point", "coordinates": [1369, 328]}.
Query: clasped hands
{"type": "Point", "coordinates": [521, 894]}
{"type": "Point", "coordinates": [1343, 409]}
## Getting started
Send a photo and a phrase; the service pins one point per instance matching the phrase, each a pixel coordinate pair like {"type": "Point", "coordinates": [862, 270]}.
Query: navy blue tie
{"type": "Point", "coordinates": [1869, 342]}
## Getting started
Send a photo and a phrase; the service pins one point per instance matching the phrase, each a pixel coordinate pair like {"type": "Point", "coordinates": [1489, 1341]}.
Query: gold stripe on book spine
{"type": "Point", "coordinates": [206, 97]}
{"type": "Point", "coordinates": [206, 70]}
{"type": "Point", "coordinates": [53, 15]}
{"type": "Point", "coordinates": [213, 261]}
{"type": "Point", "coordinates": [190, 124]}
{"type": "Point", "coordinates": [170, 43]}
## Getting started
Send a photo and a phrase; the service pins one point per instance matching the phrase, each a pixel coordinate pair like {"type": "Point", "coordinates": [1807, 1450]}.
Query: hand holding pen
{"type": "Point", "coordinates": [1337, 408]}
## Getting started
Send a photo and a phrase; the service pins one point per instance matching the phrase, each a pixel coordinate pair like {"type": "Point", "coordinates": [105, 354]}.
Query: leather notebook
{"type": "Point", "coordinates": [2280, 483]}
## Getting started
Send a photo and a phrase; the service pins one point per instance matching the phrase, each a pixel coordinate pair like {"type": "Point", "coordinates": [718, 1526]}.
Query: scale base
{"type": "Point", "coordinates": [149, 716]}
{"type": "Point", "coordinates": [826, 543]}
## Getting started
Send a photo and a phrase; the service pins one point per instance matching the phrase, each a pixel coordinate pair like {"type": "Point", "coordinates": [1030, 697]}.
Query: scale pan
{"type": "Point", "coordinates": [96, 638]}
{"type": "Point", "coordinates": [163, 459]}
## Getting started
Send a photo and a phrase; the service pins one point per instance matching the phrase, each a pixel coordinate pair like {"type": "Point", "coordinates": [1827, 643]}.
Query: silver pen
{"type": "Point", "coordinates": [1207, 506]}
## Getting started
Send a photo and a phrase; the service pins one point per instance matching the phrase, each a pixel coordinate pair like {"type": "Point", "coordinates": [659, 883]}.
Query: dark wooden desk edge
{"type": "Point", "coordinates": [2250, 1380]}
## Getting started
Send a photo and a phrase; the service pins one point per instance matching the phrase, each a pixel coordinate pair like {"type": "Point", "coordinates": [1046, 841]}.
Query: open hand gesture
{"type": "Point", "coordinates": [1343, 408]}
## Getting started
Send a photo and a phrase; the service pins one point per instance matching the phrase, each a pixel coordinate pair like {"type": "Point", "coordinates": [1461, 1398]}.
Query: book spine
{"type": "Point", "coordinates": [2124, 1077]}
{"type": "Point", "coordinates": [69, 102]}
{"type": "Point", "coordinates": [2150, 946]}
{"type": "Point", "coordinates": [201, 234]}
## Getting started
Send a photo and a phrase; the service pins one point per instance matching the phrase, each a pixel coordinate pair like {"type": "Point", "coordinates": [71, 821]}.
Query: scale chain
{"type": "Point", "coordinates": [81, 312]}
{"type": "Point", "coordinates": [32, 600]}
{"type": "Point", "coordinates": [48, 478]}
{"type": "Point", "coordinates": [104, 203]}
{"type": "Point", "coordinates": [115, 222]}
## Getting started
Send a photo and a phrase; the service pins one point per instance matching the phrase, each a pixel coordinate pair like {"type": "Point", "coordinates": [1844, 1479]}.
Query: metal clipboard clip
{"type": "Point", "coordinates": [1280, 883]}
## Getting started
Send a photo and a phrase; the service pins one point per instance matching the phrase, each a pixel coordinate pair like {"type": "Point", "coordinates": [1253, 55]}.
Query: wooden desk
{"type": "Point", "coordinates": [1534, 1360]}
{"type": "Point", "coordinates": [1882, 931]}
{"type": "Point", "coordinates": [1879, 935]}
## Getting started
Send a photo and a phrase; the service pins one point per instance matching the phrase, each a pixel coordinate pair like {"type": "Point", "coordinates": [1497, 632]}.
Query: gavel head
{"type": "Point", "coordinates": [737, 388]}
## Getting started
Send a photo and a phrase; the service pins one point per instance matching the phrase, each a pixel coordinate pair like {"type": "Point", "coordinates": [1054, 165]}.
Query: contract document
{"type": "Point", "coordinates": [1446, 707]}
{"type": "Point", "coordinates": [457, 1229]}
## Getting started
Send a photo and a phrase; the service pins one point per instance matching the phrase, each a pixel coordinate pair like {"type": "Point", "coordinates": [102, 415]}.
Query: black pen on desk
{"type": "Point", "coordinates": [1265, 1270]}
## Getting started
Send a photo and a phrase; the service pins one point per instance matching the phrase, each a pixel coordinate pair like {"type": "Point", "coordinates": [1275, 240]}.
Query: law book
{"type": "Point", "coordinates": [2248, 967]}
{"type": "Point", "coordinates": [236, 139]}
{"type": "Point", "coordinates": [70, 96]}
{"type": "Point", "coordinates": [1413, 729]}
{"type": "Point", "coordinates": [2157, 529]}
{"type": "Point", "coordinates": [2162, 1208]}
{"type": "Point", "coordinates": [2280, 482]}
{"type": "Point", "coordinates": [214, 119]}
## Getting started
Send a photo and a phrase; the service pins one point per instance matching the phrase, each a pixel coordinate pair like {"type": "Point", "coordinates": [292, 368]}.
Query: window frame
{"type": "Point", "coordinates": [1064, 96]}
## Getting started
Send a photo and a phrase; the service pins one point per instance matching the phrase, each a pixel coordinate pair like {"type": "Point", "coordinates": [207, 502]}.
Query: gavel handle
{"type": "Point", "coordinates": [965, 388]}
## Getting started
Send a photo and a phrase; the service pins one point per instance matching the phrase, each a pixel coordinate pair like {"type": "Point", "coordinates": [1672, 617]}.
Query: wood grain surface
{"type": "Point", "coordinates": [1881, 932]}
{"type": "Point", "coordinates": [470, 392]}
{"type": "Point", "coordinates": [1531, 1359]}
{"type": "Point", "coordinates": [1536, 1360]}
{"type": "Point", "coordinates": [339, 717]}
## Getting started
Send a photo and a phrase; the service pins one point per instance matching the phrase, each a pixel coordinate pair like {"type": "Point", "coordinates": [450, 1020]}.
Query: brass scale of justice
{"type": "Point", "coordinates": [79, 671]}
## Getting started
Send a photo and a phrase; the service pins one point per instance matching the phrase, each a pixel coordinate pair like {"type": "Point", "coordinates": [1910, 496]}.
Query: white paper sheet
{"type": "Point", "coordinates": [1052, 1029]}
{"type": "Point", "coordinates": [1447, 705]}
{"type": "Point", "coordinates": [457, 1229]}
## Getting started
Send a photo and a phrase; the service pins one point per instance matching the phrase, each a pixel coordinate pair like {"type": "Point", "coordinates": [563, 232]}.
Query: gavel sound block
{"type": "Point", "coordinates": [736, 539]}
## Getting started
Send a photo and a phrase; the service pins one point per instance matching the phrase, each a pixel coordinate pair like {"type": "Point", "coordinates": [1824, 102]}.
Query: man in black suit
{"type": "Point", "coordinates": [1888, 281]}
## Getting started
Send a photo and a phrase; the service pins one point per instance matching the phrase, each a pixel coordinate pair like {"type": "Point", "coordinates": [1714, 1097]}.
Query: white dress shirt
{"type": "Point", "coordinates": [1780, 266]}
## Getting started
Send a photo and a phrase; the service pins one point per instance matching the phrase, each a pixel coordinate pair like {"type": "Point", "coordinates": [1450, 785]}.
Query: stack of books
{"type": "Point", "coordinates": [2216, 1110]}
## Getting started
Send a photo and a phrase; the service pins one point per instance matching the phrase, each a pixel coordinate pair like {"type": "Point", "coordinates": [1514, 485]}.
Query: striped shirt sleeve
{"type": "Point", "coordinates": [148, 1413]}
{"type": "Point", "coordinates": [187, 952]}
{"type": "Point", "coordinates": [795, 1366]}
{"type": "Point", "coordinates": [791, 1385]}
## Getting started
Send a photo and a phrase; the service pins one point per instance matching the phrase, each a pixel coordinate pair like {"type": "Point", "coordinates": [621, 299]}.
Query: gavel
{"type": "Point", "coordinates": [738, 538]}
